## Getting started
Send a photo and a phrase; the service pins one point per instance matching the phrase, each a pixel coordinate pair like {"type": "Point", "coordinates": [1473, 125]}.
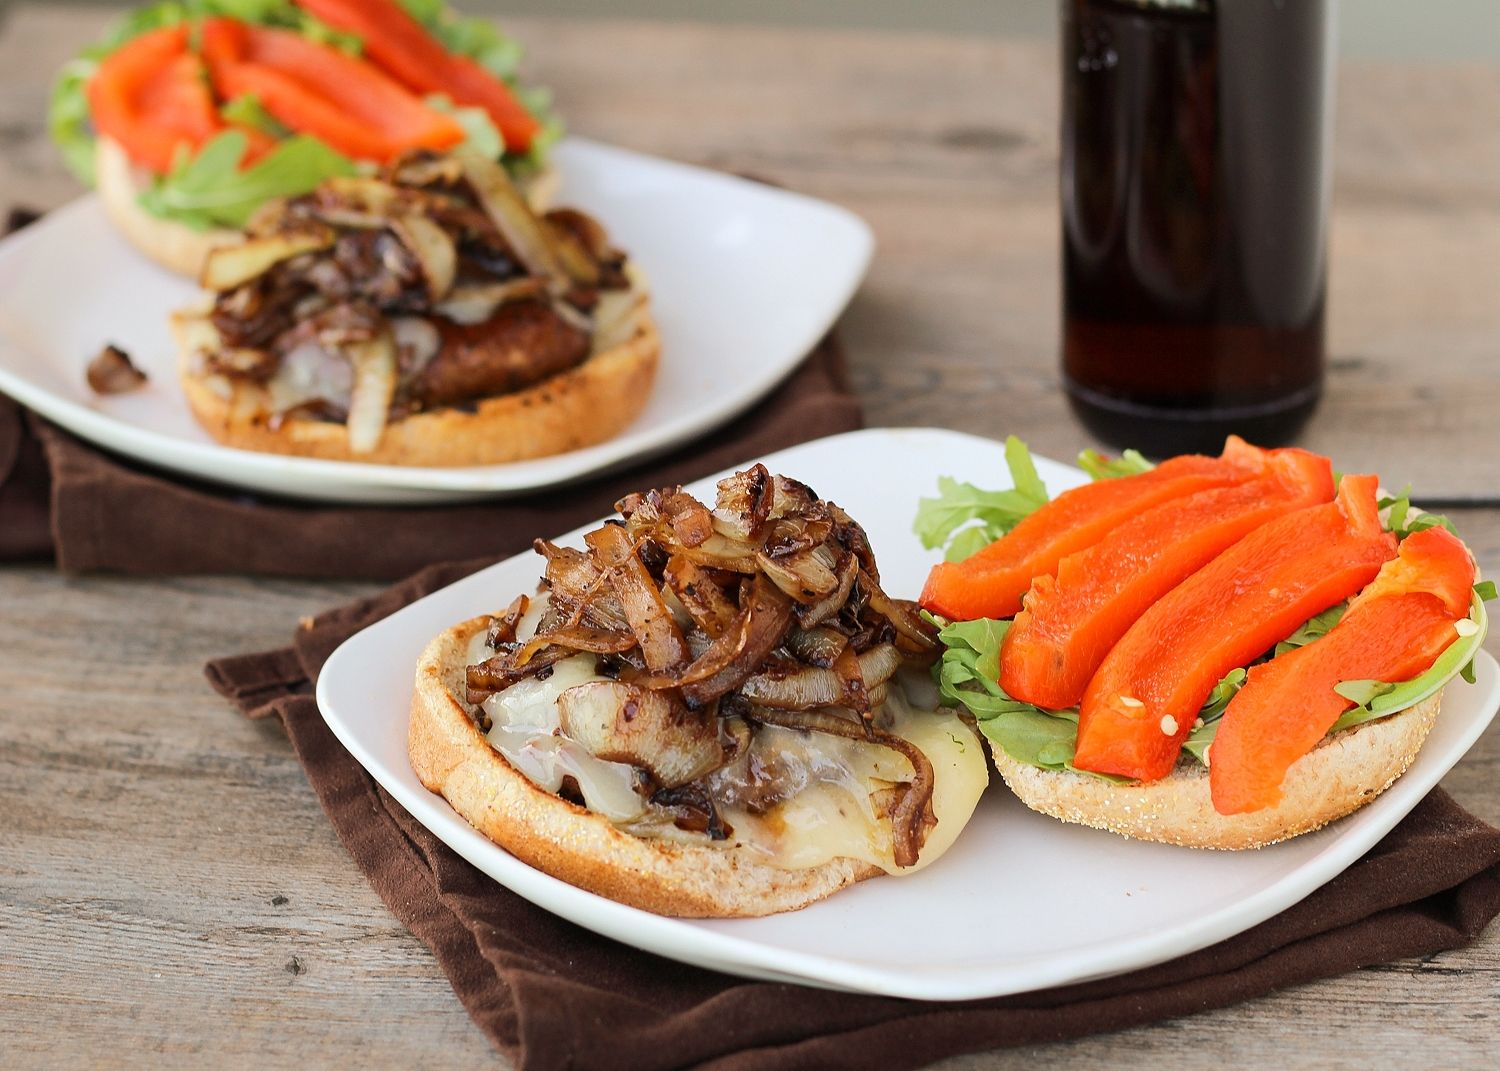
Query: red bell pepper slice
{"type": "Point", "coordinates": [991, 582]}
{"type": "Point", "coordinates": [1394, 631]}
{"type": "Point", "coordinates": [1142, 702]}
{"type": "Point", "coordinates": [317, 90]}
{"type": "Point", "coordinates": [402, 47]}
{"type": "Point", "coordinates": [1431, 560]}
{"type": "Point", "coordinates": [1072, 620]}
{"type": "Point", "coordinates": [150, 95]}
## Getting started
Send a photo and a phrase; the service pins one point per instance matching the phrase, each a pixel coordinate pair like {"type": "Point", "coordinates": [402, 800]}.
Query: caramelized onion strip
{"type": "Point", "coordinates": [662, 643]}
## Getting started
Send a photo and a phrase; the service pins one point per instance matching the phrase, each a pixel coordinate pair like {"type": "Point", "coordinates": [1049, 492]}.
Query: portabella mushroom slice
{"type": "Point", "coordinates": [620, 722]}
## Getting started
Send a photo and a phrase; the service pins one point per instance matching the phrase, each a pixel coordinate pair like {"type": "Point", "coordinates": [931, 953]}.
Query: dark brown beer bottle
{"type": "Point", "coordinates": [1195, 181]}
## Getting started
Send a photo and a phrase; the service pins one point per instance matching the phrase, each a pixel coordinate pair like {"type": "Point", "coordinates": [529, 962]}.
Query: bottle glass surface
{"type": "Point", "coordinates": [1195, 188]}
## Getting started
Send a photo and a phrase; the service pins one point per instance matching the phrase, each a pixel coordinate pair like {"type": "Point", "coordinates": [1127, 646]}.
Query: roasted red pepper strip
{"type": "Point", "coordinates": [150, 96]}
{"type": "Point", "coordinates": [991, 582]}
{"type": "Point", "coordinates": [317, 90]}
{"type": "Point", "coordinates": [1142, 702]}
{"type": "Point", "coordinates": [1072, 620]}
{"type": "Point", "coordinates": [402, 47]}
{"type": "Point", "coordinates": [1393, 632]}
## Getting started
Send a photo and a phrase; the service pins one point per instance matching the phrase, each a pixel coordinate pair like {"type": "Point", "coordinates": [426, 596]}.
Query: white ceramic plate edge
{"type": "Point", "coordinates": [1347, 842]}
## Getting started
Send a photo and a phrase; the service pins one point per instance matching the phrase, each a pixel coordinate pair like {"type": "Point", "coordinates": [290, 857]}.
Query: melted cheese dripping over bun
{"type": "Point", "coordinates": [830, 786]}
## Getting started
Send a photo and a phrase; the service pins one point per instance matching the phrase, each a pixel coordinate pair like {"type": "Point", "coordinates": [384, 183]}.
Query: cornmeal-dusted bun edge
{"type": "Point", "coordinates": [1342, 774]}
{"type": "Point", "coordinates": [561, 838]}
{"type": "Point", "coordinates": [584, 405]}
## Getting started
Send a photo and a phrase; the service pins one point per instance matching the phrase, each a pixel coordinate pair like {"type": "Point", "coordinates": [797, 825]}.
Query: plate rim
{"type": "Point", "coordinates": [678, 939]}
{"type": "Point", "coordinates": [351, 481]}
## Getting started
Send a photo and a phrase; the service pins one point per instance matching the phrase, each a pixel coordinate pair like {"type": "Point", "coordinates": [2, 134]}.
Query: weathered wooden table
{"type": "Point", "coordinates": [170, 894]}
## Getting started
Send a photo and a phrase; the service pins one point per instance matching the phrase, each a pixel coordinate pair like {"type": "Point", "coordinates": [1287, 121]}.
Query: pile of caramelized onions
{"type": "Point", "coordinates": [709, 623]}
{"type": "Point", "coordinates": [432, 283]}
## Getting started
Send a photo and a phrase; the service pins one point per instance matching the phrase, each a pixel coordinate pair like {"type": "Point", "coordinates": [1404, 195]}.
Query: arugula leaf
{"type": "Point", "coordinates": [247, 111]}
{"type": "Point", "coordinates": [1202, 736]}
{"type": "Point", "coordinates": [968, 674]}
{"type": "Point", "coordinates": [482, 135]}
{"type": "Point", "coordinates": [1400, 521]}
{"type": "Point", "coordinates": [1315, 627]}
{"type": "Point", "coordinates": [209, 189]}
{"type": "Point", "coordinates": [965, 518]}
{"type": "Point", "coordinates": [1363, 693]}
{"type": "Point", "coordinates": [1223, 692]}
{"type": "Point", "coordinates": [1041, 739]}
{"type": "Point", "coordinates": [1023, 470]}
{"type": "Point", "coordinates": [1100, 467]}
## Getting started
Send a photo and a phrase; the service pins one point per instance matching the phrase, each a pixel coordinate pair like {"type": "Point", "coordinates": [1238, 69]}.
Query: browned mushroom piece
{"type": "Point", "coordinates": [113, 372]}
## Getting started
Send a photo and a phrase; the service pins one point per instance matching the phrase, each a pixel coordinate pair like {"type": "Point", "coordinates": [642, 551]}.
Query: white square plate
{"type": "Point", "coordinates": [1020, 902]}
{"type": "Point", "coordinates": [745, 280]}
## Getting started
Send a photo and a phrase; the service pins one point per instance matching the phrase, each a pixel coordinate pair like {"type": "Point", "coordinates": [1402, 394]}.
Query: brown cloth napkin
{"type": "Point", "coordinates": [552, 995]}
{"type": "Point", "coordinates": [96, 512]}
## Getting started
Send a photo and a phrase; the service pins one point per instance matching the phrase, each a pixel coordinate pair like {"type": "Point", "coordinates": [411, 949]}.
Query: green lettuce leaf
{"type": "Point", "coordinates": [963, 518]}
{"type": "Point", "coordinates": [208, 190]}
{"type": "Point", "coordinates": [1100, 467]}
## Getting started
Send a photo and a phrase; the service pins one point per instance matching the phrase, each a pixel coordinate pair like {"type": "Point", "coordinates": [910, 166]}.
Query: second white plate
{"type": "Point", "coordinates": [745, 280]}
{"type": "Point", "coordinates": [1020, 902]}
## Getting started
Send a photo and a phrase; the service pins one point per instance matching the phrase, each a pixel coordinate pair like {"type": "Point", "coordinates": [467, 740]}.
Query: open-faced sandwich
{"type": "Point", "coordinates": [424, 316]}
{"type": "Point", "coordinates": [1215, 652]}
{"type": "Point", "coordinates": [702, 712]}
{"type": "Point", "coordinates": [194, 113]}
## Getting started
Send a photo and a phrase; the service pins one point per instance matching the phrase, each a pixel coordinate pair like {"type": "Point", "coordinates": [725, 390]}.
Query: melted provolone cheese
{"type": "Point", "coordinates": [833, 814]}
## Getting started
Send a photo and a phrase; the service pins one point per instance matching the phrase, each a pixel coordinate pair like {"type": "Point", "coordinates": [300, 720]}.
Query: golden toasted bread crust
{"type": "Point", "coordinates": [174, 246]}
{"type": "Point", "coordinates": [587, 404]}
{"type": "Point", "coordinates": [1341, 775]}
{"type": "Point", "coordinates": [453, 759]}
